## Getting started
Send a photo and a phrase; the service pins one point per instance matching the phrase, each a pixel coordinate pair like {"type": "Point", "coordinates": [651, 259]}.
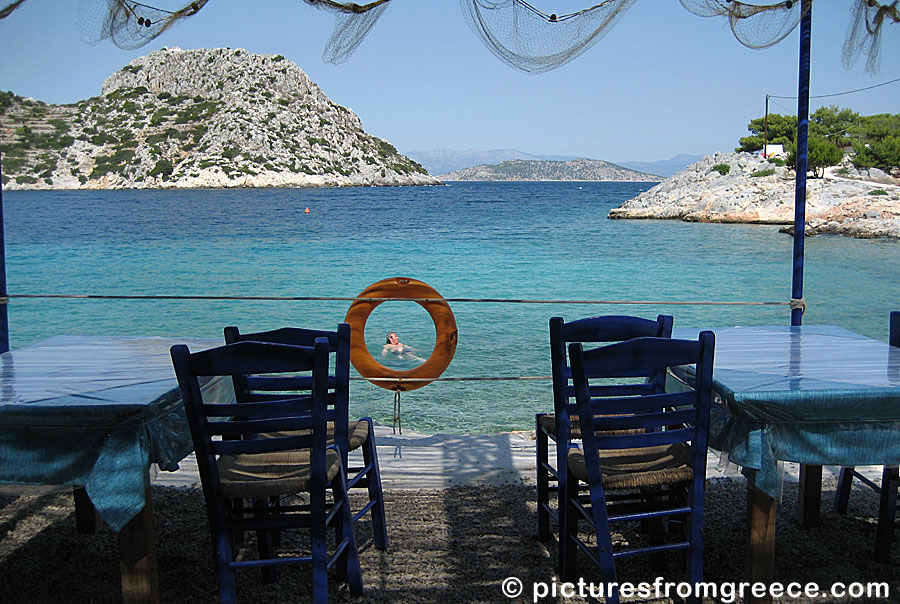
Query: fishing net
{"type": "Point", "coordinates": [526, 38]}
{"type": "Point", "coordinates": [755, 26]}
{"type": "Point", "coordinates": [517, 32]}
{"type": "Point", "coordinates": [128, 24]}
{"type": "Point", "coordinates": [5, 12]}
{"type": "Point", "coordinates": [351, 24]}
{"type": "Point", "coordinates": [864, 35]}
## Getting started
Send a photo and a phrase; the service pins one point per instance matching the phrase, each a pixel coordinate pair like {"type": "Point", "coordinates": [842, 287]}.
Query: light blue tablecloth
{"type": "Point", "coordinates": [94, 411]}
{"type": "Point", "coordinates": [818, 395]}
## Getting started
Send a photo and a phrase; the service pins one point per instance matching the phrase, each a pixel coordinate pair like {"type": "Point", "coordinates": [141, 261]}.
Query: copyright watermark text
{"type": "Point", "coordinates": [727, 593]}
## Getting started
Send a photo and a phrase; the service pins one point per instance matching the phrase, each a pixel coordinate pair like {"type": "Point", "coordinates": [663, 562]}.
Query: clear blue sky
{"type": "Point", "coordinates": [662, 82]}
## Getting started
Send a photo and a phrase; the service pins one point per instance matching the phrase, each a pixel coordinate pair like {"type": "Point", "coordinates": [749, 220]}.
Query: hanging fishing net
{"type": "Point", "coordinates": [526, 38]}
{"type": "Point", "coordinates": [126, 23]}
{"type": "Point", "coordinates": [5, 12]}
{"type": "Point", "coordinates": [755, 26]}
{"type": "Point", "coordinates": [517, 32]}
{"type": "Point", "coordinates": [864, 35]}
{"type": "Point", "coordinates": [352, 22]}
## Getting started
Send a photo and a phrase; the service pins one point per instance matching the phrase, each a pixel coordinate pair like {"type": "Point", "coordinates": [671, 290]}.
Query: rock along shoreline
{"type": "Point", "coordinates": [752, 190]}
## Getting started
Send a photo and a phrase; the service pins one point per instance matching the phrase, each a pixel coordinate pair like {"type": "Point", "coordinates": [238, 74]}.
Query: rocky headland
{"type": "Point", "coordinates": [740, 187]}
{"type": "Point", "coordinates": [535, 170]}
{"type": "Point", "coordinates": [205, 118]}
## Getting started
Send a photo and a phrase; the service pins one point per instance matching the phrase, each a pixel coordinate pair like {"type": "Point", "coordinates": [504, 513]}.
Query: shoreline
{"type": "Point", "coordinates": [747, 189]}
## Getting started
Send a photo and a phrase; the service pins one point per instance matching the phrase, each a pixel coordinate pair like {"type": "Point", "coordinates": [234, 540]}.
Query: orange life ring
{"type": "Point", "coordinates": [444, 326]}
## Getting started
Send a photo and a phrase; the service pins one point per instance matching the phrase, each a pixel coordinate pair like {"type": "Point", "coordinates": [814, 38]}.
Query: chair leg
{"type": "Point", "coordinates": [563, 479]}
{"type": "Point", "coordinates": [376, 494]}
{"type": "Point", "coordinates": [222, 550]}
{"type": "Point", "coordinates": [842, 493]}
{"type": "Point", "coordinates": [349, 560]}
{"type": "Point", "coordinates": [276, 535]}
{"type": "Point", "coordinates": [319, 546]}
{"type": "Point", "coordinates": [890, 480]}
{"type": "Point", "coordinates": [603, 532]}
{"type": "Point", "coordinates": [568, 530]}
{"type": "Point", "coordinates": [266, 543]}
{"type": "Point", "coordinates": [543, 481]}
{"type": "Point", "coordinates": [695, 553]}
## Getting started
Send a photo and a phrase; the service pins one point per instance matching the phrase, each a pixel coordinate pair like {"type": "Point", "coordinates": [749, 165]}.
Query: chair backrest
{"type": "Point", "coordinates": [894, 338]}
{"type": "Point", "coordinates": [250, 388]}
{"type": "Point", "coordinates": [232, 428]}
{"type": "Point", "coordinates": [648, 419]}
{"type": "Point", "coordinates": [602, 329]}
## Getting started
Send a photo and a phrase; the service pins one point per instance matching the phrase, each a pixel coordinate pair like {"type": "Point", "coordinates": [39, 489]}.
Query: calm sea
{"type": "Point", "coordinates": [543, 241]}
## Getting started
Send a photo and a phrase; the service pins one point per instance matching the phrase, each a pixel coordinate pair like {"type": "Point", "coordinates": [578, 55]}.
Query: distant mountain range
{"type": "Point", "coordinates": [537, 170]}
{"type": "Point", "coordinates": [444, 161]}
{"type": "Point", "coordinates": [665, 167]}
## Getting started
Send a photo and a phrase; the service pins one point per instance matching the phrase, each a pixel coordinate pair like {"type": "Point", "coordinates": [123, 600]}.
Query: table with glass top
{"type": "Point", "coordinates": [816, 395]}
{"type": "Point", "coordinates": [95, 412]}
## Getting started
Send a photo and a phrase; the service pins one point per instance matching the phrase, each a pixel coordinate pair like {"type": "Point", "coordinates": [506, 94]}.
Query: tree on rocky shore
{"type": "Point", "coordinates": [875, 138]}
{"type": "Point", "coordinates": [821, 154]}
{"type": "Point", "coordinates": [777, 130]}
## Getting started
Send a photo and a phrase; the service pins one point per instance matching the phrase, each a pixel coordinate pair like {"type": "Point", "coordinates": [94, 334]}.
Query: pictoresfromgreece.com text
{"type": "Point", "coordinates": [727, 593]}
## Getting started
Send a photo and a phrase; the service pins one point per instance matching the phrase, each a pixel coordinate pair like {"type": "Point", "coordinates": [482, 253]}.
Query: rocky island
{"type": "Point", "coordinates": [197, 119]}
{"type": "Point", "coordinates": [535, 170]}
{"type": "Point", "coordinates": [741, 187]}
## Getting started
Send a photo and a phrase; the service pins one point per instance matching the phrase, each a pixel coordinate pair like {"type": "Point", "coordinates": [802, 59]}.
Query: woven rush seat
{"type": "Point", "coordinates": [548, 423]}
{"type": "Point", "coordinates": [635, 468]}
{"type": "Point", "coordinates": [259, 475]}
{"type": "Point", "coordinates": [358, 432]}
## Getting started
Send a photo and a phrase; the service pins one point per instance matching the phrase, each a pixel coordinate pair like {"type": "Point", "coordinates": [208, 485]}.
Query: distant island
{"type": "Point", "coordinates": [197, 119]}
{"type": "Point", "coordinates": [445, 160]}
{"type": "Point", "coordinates": [531, 170]}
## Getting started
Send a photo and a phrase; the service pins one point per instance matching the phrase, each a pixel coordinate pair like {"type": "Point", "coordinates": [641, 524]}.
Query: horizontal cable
{"type": "Point", "coordinates": [4, 300]}
{"type": "Point", "coordinates": [455, 379]}
{"type": "Point", "coordinates": [358, 299]}
{"type": "Point", "coordinates": [825, 96]}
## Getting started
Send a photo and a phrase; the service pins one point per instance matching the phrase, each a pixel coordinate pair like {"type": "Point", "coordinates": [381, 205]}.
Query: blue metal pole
{"type": "Point", "coordinates": [802, 159]}
{"type": "Point", "coordinates": [4, 319]}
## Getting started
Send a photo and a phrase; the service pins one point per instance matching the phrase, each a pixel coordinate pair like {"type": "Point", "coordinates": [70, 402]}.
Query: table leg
{"type": "Point", "coordinates": [761, 540]}
{"type": "Point", "coordinates": [137, 553]}
{"type": "Point", "coordinates": [886, 511]}
{"type": "Point", "coordinates": [810, 498]}
{"type": "Point", "coordinates": [87, 518]}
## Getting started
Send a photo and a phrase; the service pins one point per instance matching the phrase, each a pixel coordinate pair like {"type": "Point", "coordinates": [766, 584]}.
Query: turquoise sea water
{"type": "Point", "coordinates": [543, 241]}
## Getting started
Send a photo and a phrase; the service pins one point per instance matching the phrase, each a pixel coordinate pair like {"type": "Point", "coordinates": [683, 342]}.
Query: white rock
{"type": "Point", "coordinates": [700, 194]}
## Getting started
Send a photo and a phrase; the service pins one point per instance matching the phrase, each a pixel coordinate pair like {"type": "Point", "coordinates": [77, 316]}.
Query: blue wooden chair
{"type": "Point", "coordinates": [890, 482]}
{"type": "Point", "coordinates": [237, 463]}
{"type": "Point", "coordinates": [643, 457]}
{"type": "Point", "coordinates": [558, 426]}
{"type": "Point", "coordinates": [347, 435]}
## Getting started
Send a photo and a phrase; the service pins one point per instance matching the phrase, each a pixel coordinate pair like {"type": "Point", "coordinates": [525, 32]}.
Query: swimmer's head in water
{"type": "Point", "coordinates": [392, 338]}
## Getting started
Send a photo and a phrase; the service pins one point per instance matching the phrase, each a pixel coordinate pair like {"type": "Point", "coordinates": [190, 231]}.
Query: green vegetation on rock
{"type": "Point", "coordinates": [874, 139]}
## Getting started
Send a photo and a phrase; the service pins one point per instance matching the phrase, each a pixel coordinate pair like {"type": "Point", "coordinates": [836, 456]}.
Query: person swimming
{"type": "Point", "coordinates": [393, 345]}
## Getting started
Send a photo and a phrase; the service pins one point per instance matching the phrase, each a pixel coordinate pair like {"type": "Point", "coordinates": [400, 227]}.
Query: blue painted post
{"type": "Point", "coordinates": [802, 159]}
{"type": "Point", "coordinates": [4, 318]}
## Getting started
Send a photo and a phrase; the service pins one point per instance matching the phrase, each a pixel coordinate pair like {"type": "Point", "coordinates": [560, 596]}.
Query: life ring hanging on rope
{"type": "Point", "coordinates": [446, 333]}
